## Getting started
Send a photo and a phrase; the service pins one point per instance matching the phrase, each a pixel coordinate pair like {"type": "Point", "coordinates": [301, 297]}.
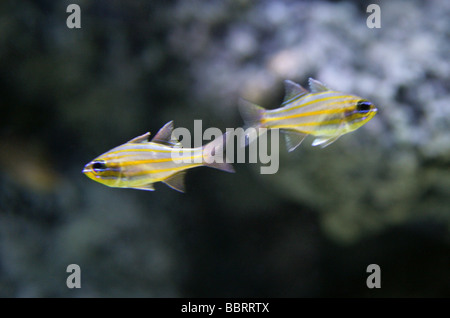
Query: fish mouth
{"type": "Point", "coordinates": [89, 173]}
{"type": "Point", "coordinates": [86, 169]}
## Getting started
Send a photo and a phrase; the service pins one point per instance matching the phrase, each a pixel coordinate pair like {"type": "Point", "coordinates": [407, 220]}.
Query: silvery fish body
{"type": "Point", "coordinates": [139, 163]}
{"type": "Point", "coordinates": [323, 113]}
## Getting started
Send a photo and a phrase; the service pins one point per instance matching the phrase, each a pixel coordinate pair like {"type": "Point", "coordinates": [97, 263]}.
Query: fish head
{"type": "Point", "coordinates": [360, 113]}
{"type": "Point", "coordinates": [103, 171]}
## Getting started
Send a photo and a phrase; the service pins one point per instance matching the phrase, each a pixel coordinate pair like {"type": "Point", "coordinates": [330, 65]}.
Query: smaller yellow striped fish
{"type": "Point", "coordinates": [139, 163]}
{"type": "Point", "coordinates": [323, 113]}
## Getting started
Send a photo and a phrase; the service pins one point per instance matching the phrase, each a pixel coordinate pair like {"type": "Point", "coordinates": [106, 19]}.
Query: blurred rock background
{"type": "Point", "coordinates": [379, 195]}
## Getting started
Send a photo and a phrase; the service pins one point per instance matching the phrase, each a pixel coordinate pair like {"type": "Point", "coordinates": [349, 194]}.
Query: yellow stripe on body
{"type": "Point", "coordinates": [336, 121]}
{"type": "Point", "coordinates": [141, 149]}
{"type": "Point", "coordinates": [145, 161]}
{"type": "Point", "coordinates": [312, 113]}
{"type": "Point", "coordinates": [283, 109]}
{"type": "Point", "coordinates": [318, 123]}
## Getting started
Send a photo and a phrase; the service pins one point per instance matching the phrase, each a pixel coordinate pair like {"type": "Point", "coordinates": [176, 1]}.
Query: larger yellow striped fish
{"type": "Point", "coordinates": [323, 113]}
{"type": "Point", "coordinates": [139, 163]}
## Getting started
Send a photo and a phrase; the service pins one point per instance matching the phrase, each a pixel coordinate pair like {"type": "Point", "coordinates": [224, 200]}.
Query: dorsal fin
{"type": "Point", "coordinates": [164, 135]}
{"type": "Point", "coordinates": [292, 91]}
{"type": "Point", "coordinates": [140, 139]}
{"type": "Point", "coordinates": [316, 87]}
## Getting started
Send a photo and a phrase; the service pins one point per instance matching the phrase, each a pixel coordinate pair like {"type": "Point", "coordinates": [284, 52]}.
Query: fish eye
{"type": "Point", "coordinates": [99, 166]}
{"type": "Point", "coordinates": [363, 106]}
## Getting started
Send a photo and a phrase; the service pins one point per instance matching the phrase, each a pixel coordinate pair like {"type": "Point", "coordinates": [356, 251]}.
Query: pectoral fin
{"type": "Point", "coordinates": [324, 141]}
{"type": "Point", "coordinates": [176, 181]}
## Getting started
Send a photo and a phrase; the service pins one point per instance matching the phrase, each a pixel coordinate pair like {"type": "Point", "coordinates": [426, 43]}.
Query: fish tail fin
{"type": "Point", "coordinates": [253, 115]}
{"type": "Point", "coordinates": [213, 154]}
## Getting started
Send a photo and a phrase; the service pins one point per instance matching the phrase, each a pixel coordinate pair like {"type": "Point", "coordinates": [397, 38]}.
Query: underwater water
{"type": "Point", "coordinates": [378, 195]}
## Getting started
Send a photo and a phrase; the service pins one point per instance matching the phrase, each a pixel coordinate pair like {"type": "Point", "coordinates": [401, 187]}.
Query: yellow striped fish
{"type": "Point", "coordinates": [323, 113]}
{"type": "Point", "coordinates": [139, 163]}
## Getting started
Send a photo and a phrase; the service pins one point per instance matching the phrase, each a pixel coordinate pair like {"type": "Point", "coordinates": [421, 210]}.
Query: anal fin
{"type": "Point", "coordinates": [176, 181]}
{"type": "Point", "coordinates": [325, 141]}
{"type": "Point", "coordinates": [146, 187]}
{"type": "Point", "coordinates": [293, 139]}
